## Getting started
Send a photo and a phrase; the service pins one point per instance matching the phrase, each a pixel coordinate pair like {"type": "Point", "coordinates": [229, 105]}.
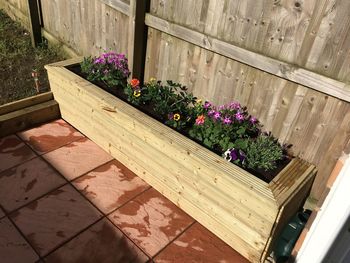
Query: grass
{"type": "Point", "coordinates": [18, 59]}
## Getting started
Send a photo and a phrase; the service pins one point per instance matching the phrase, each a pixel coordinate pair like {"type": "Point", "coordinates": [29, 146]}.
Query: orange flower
{"type": "Point", "coordinates": [200, 120]}
{"type": "Point", "coordinates": [135, 83]}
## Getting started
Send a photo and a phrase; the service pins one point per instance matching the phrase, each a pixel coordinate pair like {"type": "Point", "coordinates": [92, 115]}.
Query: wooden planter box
{"type": "Point", "coordinates": [239, 208]}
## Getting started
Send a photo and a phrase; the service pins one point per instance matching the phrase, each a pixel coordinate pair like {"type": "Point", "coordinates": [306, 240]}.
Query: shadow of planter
{"type": "Point", "coordinates": [244, 211]}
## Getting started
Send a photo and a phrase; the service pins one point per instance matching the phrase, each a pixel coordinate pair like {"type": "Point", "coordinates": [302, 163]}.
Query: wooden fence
{"type": "Point", "coordinates": [287, 61]}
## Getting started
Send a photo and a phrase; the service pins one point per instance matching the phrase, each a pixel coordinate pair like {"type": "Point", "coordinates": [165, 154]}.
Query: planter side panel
{"type": "Point", "coordinates": [229, 208]}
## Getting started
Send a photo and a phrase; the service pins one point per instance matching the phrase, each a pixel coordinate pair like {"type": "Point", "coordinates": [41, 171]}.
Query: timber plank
{"type": "Point", "coordinates": [26, 102]}
{"type": "Point", "coordinates": [21, 119]}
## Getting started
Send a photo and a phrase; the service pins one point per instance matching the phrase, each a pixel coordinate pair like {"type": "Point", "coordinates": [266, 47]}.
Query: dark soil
{"type": "Point", "coordinates": [266, 176]}
{"type": "Point", "coordinates": [17, 61]}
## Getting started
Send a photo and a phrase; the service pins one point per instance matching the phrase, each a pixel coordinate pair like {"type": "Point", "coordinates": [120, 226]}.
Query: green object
{"type": "Point", "coordinates": [290, 235]}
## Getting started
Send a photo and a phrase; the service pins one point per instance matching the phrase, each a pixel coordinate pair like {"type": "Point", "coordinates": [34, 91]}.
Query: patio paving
{"type": "Point", "coordinates": [64, 199]}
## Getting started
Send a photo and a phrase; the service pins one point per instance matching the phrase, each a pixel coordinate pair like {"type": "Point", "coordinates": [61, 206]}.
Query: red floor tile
{"type": "Point", "coordinates": [77, 158]}
{"type": "Point", "coordinates": [22, 184]}
{"type": "Point", "coordinates": [55, 218]}
{"type": "Point", "coordinates": [13, 151]}
{"type": "Point", "coordinates": [198, 244]}
{"type": "Point", "coordinates": [110, 186]}
{"type": "Point", "coordinates": [13, 247]}
{"type": "Point", "coordinates": [50, 136]}
{"type": "Point", "coordinates": [103, 243]}
{"type": "Point", "coordinates": [151, 221]}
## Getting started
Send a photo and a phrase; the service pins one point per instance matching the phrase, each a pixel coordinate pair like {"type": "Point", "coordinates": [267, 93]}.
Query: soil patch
{"type": "Point", "coordinates": [18, 59]}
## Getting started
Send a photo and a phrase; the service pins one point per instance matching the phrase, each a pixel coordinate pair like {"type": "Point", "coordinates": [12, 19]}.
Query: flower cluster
{"type": "Point", "coordinates": [228, 113]}
{"type": "Point", "coordinates": [110, 68]}
{"type": "Point", "coordinates": [114, 61]}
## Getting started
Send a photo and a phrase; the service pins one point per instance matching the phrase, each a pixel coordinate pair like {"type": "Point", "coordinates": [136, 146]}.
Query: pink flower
{"type": "Point", "coordinates": [253, 120]}
{"type": "Point", "coordinates": [235, 105]}
{"type": "Point", "coordinates": [211, 113]}
{"type": "Point", "coordinates": [222, 107]}
{"type": "Point", "coordinates": [207, 105]}
{"type": "Point", "coordinates": [227, 120]}
{"type": "Point", "coordinates": [239, 116]}
{"type": "Point", "coordinates": [217, 115]}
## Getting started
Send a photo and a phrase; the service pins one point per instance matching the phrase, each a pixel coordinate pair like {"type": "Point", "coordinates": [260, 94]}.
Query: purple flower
{"type": "Point", "coordinates": [234, 154]}
{"type": "Point", "coordinates": [222, 107]}
{"type": "Point", "coordinates": [227, 120]}
{"type": "Point", "coordinates": [239, 116]}
{"type": "Point", "coordinates": [217, 115]}
{"type": "Point", "coordinates": [99, 60]}
{"type": "Point", "coordinates": [207, 105]}
{"type": "Point", "coordinates": [253, 120]}
{"type": "Point", "coordinates": [211, 113]}
{"type": "Point", "coordinates": [235, 105]}
{"type": "Point", "coordinates": [170, 116]}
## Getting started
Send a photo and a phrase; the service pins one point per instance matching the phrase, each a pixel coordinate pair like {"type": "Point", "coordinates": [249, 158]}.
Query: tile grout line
{"type": "Point", "coordinates": [40, 154]}
{"type": "Point", "coordinates": [24, 237]}
{"type": "Point", "coordinates": [72, 237]}
{"type": "Point", "coordinates": [54, 189]}
{"type": "Point", "coordinates": [104, 216]}
{"type": "Point", "coordinates": [122, 231]}
{"type": "Point", "coordinates": [126, 235]}
{"type": "Point", "coordinates": [172, 241]}
{"type": "Point", "coordinates": [132, 199]}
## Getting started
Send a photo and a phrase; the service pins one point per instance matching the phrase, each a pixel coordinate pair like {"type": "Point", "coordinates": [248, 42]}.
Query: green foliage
{"type": "Point", "coordinates": [171, 101]}
{"type": "Point", "coordinates": [263, 152]}
{"type": "Point", "coordinates": [135, 93]}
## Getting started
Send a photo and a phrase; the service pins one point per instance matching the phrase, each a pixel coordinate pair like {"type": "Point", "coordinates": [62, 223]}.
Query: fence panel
{"type": "Point", "coordinates": [312, 34]}
{"type": "Point", "coordinates": [87, 26]}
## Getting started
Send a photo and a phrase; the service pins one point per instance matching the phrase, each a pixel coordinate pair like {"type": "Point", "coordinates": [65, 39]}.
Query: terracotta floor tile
{"type": "Point", "coordinates": [50, 136]}
{"type": "Point", "coordinates": [13, 151]}
{"type": "Point", "coordinates": [54, 218]}
{"type": "Point", "coordinates": [198, 244]}
{"type": "Point", "coordinates": [103, 243]}
{"type": "Point", "coordinates": [151, 221]}
{"type": "Point", "coordinates": [22, 184]}
{"type": "Point", "coordinates": [77, 158]}
{"type": "Point", "coordinates": [13, 247]}
{"type": "Point", "coordinates": [110, 186]}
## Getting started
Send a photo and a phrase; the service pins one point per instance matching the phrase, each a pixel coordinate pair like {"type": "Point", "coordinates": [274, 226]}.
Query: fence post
{"type": "Point", "coordinates": [34, 22]}
{"type": "Point", "coordinates": [138, 39]}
